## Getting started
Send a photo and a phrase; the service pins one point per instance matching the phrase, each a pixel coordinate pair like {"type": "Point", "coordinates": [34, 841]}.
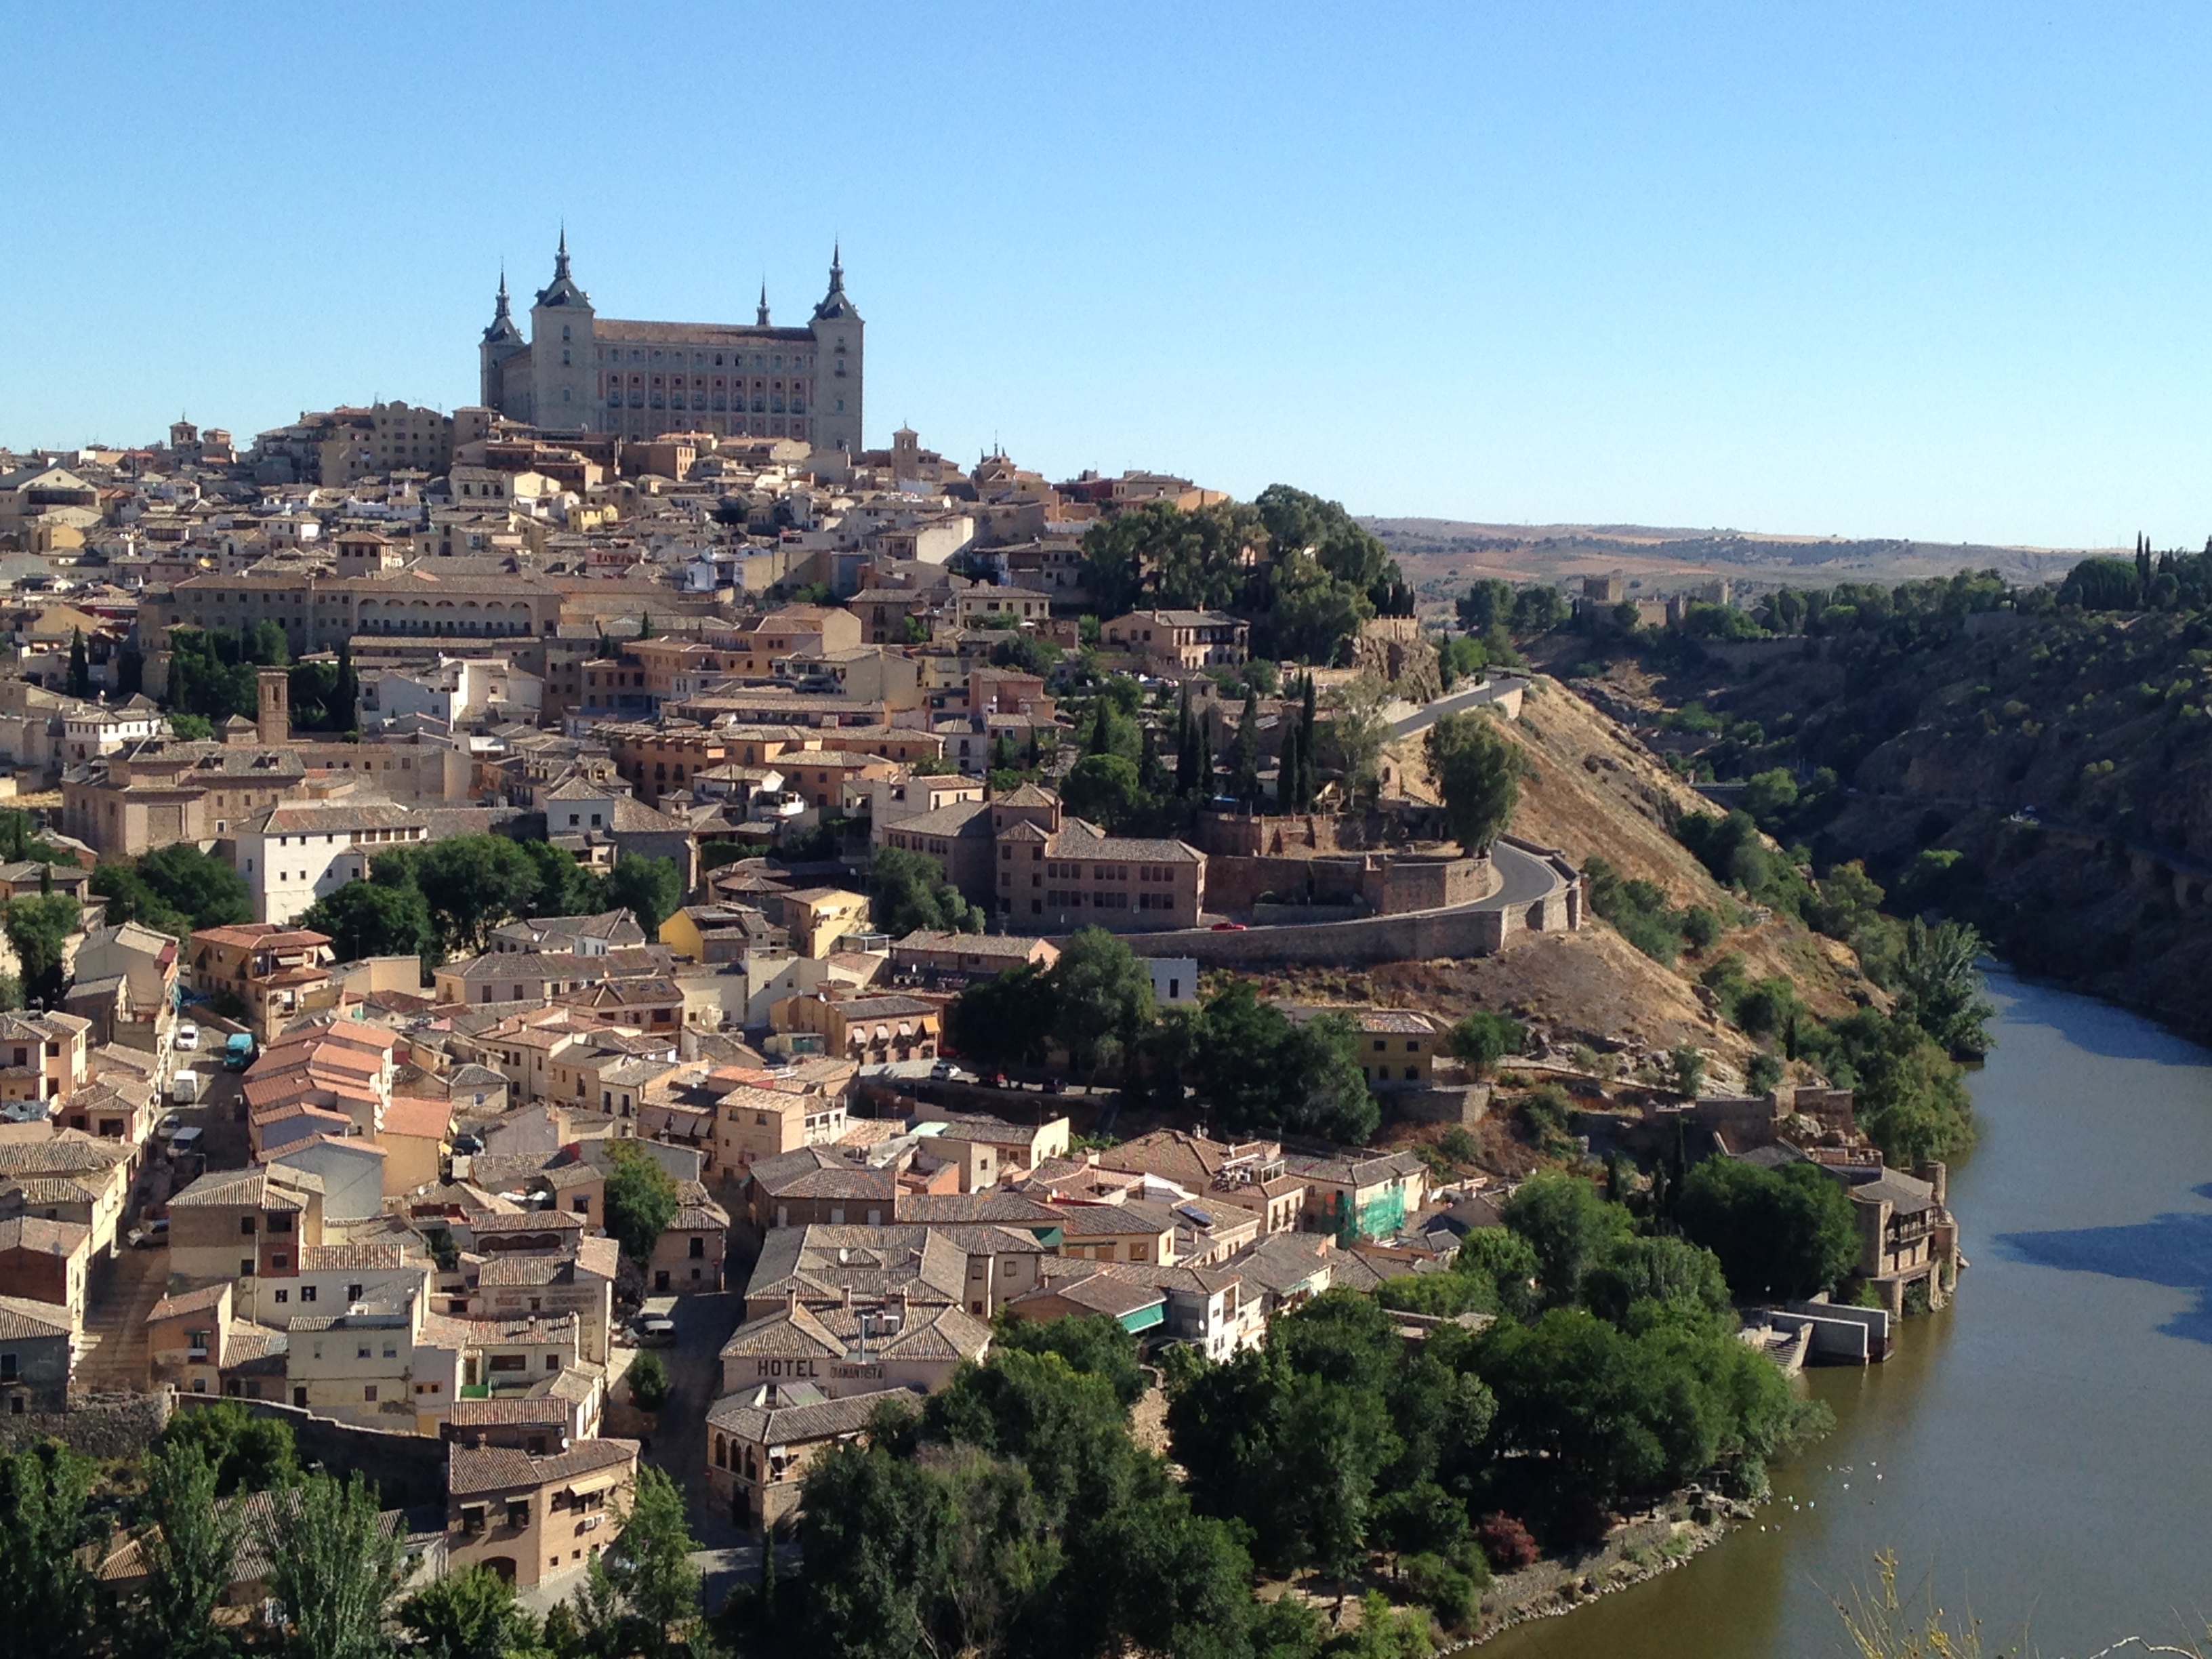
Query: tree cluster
{"type": "Point", "coordinates": [1242, 1063]}
{"type": "Point", "coordinates": [1301, 569]}
{"type": "Point", "coordinates": [445, 897]}
{"type": "Point", "coordinates": [334, 1570]}
{"type": "Point", "coordinates": [1610, 1372]}
{"type": "Point", "coordinates": [174, 889]}
{"type": "Point", "coordinates": [1012, 1514]}
{"type": "Point", "coordinates": [909, 890]}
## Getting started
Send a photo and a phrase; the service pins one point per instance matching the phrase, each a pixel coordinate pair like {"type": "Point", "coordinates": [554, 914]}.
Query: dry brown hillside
{"type": "Point", "coordinates": [1596, 791]}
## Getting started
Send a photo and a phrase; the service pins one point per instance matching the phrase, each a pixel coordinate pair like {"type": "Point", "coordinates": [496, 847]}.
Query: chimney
{"type": "Point", "coordinates": [274, 689]}
{"type": "Point", "coordinates": [791, 1300]}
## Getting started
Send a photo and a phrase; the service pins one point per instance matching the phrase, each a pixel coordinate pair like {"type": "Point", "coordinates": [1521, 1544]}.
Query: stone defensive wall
{"type": "Point", "coordinates": [1538, 890]}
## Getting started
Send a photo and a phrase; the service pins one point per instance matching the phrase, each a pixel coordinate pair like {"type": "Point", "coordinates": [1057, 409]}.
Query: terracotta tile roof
{"type": "Point", "coordinates": [473, 1469]}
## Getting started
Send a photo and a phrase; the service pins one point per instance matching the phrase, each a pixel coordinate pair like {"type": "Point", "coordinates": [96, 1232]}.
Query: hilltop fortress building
{"type": "Point", "coordinates": [579, 371]}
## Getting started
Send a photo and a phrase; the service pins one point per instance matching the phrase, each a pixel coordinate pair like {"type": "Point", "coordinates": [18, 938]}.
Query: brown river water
{"type": "Point", "coordinates": [2042, 1446]}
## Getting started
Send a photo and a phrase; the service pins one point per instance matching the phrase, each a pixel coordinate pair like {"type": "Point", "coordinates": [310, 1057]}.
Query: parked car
{"type": "Point", "coordinates": [184, 1087]}
{"type": "Point", "coordinates": [468, 1144]}
{"type": "Point", "coordinates": [170, 1123]}
{"type": "Point", "coordinates": [188, 1036]}
{"type": "Point", "coordinates": [995, 1080]}
{"type": "Point", "coordinates": [151, 1237]}
{"type": "Point", "coordinates": [945, 1072]}
{"type": "Point", "coordinates": [1230, 927]}
{"type": "Point", "coordinates": [1052, 1086]}
{"type": "Point", "coordinates": [186, 1140]}
{"type": "Point", "coordinates": [655, 1331]}
{"type": "Point", "coordinates": [238, 1052]}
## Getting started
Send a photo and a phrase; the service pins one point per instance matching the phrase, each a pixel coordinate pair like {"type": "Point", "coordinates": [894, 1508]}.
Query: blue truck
{"type": "Point", "coordinates": [238, 1052]}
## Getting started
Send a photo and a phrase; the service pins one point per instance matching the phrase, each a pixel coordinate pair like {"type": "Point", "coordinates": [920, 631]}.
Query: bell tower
{"type": "Point", "coordinates": [273, 700]}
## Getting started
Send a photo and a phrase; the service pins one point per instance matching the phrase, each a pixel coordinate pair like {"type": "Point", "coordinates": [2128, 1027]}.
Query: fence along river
{"type": "Point", "coordinates": [2037, 1454]}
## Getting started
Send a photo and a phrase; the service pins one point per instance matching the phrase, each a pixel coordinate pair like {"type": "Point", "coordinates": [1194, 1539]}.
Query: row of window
{"type": "Point", "coordinates": [699, 359]}
{"type": "Point", "coordinates": [762, 406]}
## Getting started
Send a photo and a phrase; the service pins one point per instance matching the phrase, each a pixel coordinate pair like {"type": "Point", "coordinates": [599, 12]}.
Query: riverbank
{"type": "Point", "coordinates": [2037, 1454]}
{"type": "Point", "coordinates": [1550, 1588]}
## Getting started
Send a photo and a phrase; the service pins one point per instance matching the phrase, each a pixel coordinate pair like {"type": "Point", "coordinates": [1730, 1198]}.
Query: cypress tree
{"type": "Point", "coordinates": [80, 666]}
{"type": "Point", "coordinates": [1244, 750]}
{"type": "Point", "coordinates": [347, 693]}
{"type": "Point", "coordinates": [1186, 748]}
{"type": "Point", "coordinates": [1309, 769]}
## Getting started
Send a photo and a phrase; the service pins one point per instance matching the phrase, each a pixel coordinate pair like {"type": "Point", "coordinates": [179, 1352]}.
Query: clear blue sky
{"type": "Point", "coordinates": [1858, 267]}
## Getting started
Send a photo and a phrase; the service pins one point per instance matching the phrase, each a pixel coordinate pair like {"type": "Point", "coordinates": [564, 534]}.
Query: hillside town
{"type": "Point", "coordinates": [619, 928]}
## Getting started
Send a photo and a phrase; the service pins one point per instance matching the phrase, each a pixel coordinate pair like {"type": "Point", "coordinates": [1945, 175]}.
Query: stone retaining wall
{"type": "Point", "coordinates": [407, 1468]}
{"type": "Point", "coordinates": [102, 1426]}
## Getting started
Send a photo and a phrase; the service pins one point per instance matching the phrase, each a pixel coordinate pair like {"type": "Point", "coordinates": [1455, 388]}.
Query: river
{"type": "Point", "coordinates": [2036, 1452]}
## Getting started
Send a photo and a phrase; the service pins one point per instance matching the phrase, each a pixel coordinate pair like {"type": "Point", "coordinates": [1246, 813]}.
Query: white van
{"type": "Point", "coordinates": [184, 1088]}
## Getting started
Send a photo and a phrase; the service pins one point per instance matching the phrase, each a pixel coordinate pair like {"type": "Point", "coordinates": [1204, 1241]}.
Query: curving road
{"type": "Point", "coordinates": [1523, 879]}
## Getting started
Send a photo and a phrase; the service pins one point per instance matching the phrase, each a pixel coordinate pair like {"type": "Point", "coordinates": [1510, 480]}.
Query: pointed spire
{"type": "Point", "coordinates": [560, 258]}
{"type": "Point", "coordinates": [763, 321]}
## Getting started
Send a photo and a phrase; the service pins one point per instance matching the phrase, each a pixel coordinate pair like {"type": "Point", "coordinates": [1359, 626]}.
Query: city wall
{"type": "Point", "coordinates": [408, 1469]}
{"type": "Point", "coordinates": [99, 1425]}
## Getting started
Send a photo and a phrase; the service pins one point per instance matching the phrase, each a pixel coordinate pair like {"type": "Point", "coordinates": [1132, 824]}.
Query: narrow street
{"type": "Point", "coordinates": [703, 1323]}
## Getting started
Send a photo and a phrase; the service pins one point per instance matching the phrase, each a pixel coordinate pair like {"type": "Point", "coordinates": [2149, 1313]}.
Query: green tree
{"type": "Point", "coordinates": [191, 728]}
{"type": "Point", "coordinates": [80, 666]}
{"type": "Point", "coordinates": [39, 927]}
{"type": "Point", "coordinates": [1658, 1278]}
{"type": "Point", "coordinates": [471, 1614]}
{"type": "Point", "coordinates": [1244, 754]}
{"type": "Point", "coordinates": [189, 1546]}
{"type": "Point", "coordinates": [470, 885]}
{"type": "Point", "coordinates": [1478, 772]}
{"type": "Point", "coordinates": [1028, 653]}
{"type": "Point", "coordinates": [1261, 1073]}
{"type": "Point", "coordinates": [1786, 1233]}
{"type": "Point", "coordinates": [1094, 1344]}
{"type": "Point", "coordinates": [1352, 737]}
{"type": "Point", "coordinates": [650, 1563]}
{"type": "Point", "coordinates": [1569, 1226]}
{"type": "Point", "coordinates": [648, 1382]}
{"type": "Point", "coordinates": [247, 1453]}
{"type": "Point", "coordinates": [1006, 1020]}
{"type": "Point", "coordinates": [1939, 987]}
{"type": "Point", "coordinates": [130, 899]}
{"type": "Point", "coordinates": [364, 919]}
{"type": "Point", "coordinates": [46, 1526]}
{"type": "Point", "coordinates": [345, 695]}
{"type": "Point", "coordinates": [197, 884]}
{"type": "Point", "coordinates": [910, 892]}
{"type": "Point", "coordinates": [566, 888]}
{"type": "Point", "coordinates": [1105, 789]}
{"type": "Point", "coordinates": [640, 1199]}
{"type": "Point", "coordinates": [1483, 1038]}
{"type": "Point", "coordinates": [650, 888]}
{"type": "Point", "coordinates": [1685, 1070]}
{"type": "Point", "coordinates": [1105, 1000]}
{"type": "Point", "coordinates": [332, 1566]}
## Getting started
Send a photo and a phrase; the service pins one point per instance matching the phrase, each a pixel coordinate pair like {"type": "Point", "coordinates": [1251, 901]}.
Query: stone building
{"type": "Point", "coordinates": [1020, 857]}
{"type": "Point", "coordinates": [579, 371]}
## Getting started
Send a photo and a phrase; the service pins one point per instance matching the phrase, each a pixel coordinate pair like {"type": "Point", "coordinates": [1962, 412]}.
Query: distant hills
{"type": "Point", "coordinates": [1440, 554]}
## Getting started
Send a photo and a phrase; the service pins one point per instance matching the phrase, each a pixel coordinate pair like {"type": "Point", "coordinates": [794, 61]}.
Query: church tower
{"type": "Point", "coordinates": [838, 349]}
{"type": "Point", "coordinates": [501, 341]}
{"type": "Point", "coordinates": [561, 351]}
